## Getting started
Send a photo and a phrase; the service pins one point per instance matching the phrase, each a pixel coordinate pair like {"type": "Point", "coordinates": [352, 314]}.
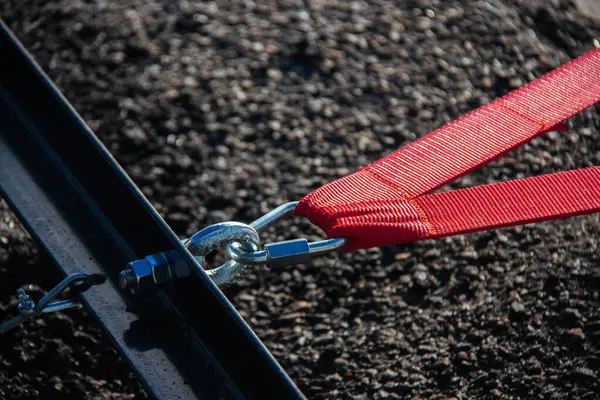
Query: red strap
{"type": "Point", "coordinates": [386, 202]}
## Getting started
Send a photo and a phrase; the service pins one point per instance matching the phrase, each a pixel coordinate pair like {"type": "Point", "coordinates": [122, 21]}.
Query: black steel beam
{"type": "Point", "coordinates": [187, 342]}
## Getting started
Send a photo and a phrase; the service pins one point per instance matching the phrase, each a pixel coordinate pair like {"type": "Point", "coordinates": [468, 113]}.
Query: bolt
{"type": "Point", "coordinates": [26, 305]}
{"type": "Point", "coordinates": [127, 279]}
{"type": "Point", "coordinates": [153, 272]}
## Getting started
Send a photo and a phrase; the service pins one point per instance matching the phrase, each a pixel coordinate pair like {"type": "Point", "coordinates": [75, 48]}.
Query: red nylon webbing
{"type": "Point", "coordinates": [387, 202]}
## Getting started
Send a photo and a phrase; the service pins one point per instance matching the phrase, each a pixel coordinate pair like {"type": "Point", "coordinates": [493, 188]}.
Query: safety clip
{"type": "Point", "coordinates": [28, 309]}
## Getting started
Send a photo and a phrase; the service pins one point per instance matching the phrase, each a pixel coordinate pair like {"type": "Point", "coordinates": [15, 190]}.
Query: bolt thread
{"type": "Point", "coordinates": [127, 278]}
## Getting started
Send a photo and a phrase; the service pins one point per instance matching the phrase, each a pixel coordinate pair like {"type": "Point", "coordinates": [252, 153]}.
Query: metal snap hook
{"type": "Point", "coordinates": [282, 254]}
{"type": "Point", "coordinates": [159, 270]}
{"type": "Point", "coordinates": [243, 244]}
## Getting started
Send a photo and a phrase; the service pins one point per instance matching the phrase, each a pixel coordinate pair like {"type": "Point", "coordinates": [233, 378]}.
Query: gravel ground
{"type": "Point", "coordinates": [224, 110]}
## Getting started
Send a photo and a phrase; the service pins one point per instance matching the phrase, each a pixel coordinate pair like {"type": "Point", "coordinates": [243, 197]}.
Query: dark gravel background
{"type": "Point", "coordinates": [224, 110]}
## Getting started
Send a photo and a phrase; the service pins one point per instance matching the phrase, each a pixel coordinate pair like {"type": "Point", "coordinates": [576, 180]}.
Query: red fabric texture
{"type": "Point", "coordinates": [388, 201]}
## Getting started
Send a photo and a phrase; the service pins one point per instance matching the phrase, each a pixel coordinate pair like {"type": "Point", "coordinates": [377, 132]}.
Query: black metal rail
{"type": "Point", "coordinates": [187, 342]}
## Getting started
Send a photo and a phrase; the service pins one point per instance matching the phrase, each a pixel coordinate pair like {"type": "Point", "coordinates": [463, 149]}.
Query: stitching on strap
{"type": "Point", "coordinates": [422, 214]}
{"type": "Point", "coordinates": [543, 125]}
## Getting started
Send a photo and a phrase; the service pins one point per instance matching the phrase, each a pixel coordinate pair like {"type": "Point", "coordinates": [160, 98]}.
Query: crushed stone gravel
{"type": "Point", "coordinates": [223, 110]}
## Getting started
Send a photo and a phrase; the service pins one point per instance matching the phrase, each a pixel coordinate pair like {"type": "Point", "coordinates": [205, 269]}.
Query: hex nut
{"type": "Point", "coordinates": [161, 270]}
{"type": "Point", "coordinates": [179, 266]}
{"type": "Point", "coordinates": [286, 253]}
{"type": "Point", "coordinates": [143, 275]}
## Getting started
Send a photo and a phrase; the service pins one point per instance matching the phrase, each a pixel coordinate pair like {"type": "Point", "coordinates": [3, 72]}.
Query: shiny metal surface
{"type": "Point", "coordinates": [218, 235]}
{"type": "Point", "coordinates": [60, 306]}
{"type": "Point", "coordinates": [262, 257]}
{"type": "Point", "coordinates": [274, 215]}
{"type": "Point", "coordinates": [26, 309]}
{"type": "Point", "coordinates": [157, 270]}
{"type": "Point", "coordinates": [243, 245]}
{"type": "Point", "coordinates": [287, 252]}
{"type": "Point", "coordinates": [140, 274]}
{"type": "Point", "coordinates": [326, 246]}
{"type": "Point", "coordinates": [153, 272]}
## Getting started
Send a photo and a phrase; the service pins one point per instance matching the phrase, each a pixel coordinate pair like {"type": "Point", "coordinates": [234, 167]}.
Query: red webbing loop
{"type": "Point", "coordinates": [387, 202]}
